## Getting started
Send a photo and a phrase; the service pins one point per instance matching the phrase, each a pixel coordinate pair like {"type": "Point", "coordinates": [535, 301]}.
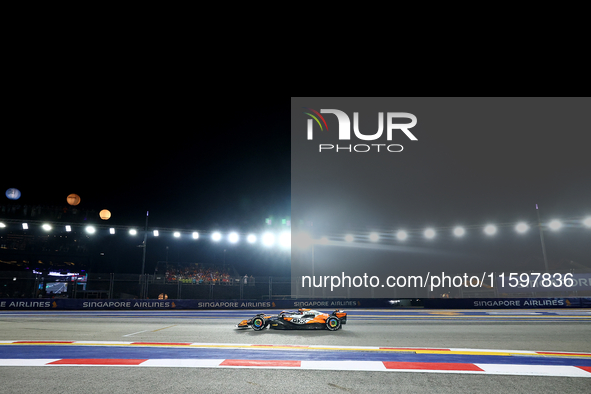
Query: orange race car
{"type": "Point", "coordinates": [302, 319]}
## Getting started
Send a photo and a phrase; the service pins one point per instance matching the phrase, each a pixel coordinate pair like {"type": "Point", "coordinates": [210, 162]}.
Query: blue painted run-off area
{"type": "Point", "coordinates": [133, 352]}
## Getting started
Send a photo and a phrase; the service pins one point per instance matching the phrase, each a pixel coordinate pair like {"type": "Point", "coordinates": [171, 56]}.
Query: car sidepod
{"type": "Point", "coordinates": [290, 324]}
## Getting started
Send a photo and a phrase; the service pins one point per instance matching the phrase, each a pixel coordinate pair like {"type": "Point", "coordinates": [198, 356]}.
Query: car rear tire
{"type": "Point", "coordinates": [333, 323]}
{"type": "Point", "coordinates": [258, 323]}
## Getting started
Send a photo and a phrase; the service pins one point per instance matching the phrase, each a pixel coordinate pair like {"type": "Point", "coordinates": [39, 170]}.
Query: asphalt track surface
{"type": "Point", "coordinates": [198, 351]}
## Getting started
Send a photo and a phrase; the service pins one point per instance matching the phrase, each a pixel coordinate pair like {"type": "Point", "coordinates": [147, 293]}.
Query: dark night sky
{"type": "Point", "coordinates": [194, 167]}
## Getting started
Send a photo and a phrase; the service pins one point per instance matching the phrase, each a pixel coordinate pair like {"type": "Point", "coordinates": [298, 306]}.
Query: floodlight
{"type": "Point", "coordinates": [90, 230]}
{"type": "Point", "coordinates": [195, 235]}
{"type": "Point", "coordinates": [25, 226]}
{"type": "Point", "coordinates": [112, 230]}
{"type": "Point", "coordinates": [323, 241]}
{"type": "Point", "coordinates": [586, 222]}
{"type": "Point", "coordinates": [176, 234]}
{"type": "Point", "coordinates": [46, 227]}
{"type": "Point", "coordinates": [490, 229]}
{"type": "Point", "coordinates": [216, 236]}
{"type": "Point", "coordinates": [459, 231]}
{"type": "Point", "coordinates": [554, 225]}
{"type": "Point", "coordinates": [374, 237]}
{"type": "Point", "coordinates": [401, 235]}
{"type": "Point", "coordinates": [156, 233]}
{"type": "Point", "coordinates": [68, 228]}
{"type": "Point", "coordinates": [285, 239]}
{"type": "Point", "coordinates": [268, 239]}
{"type": "Point", "coordinates": [429, 233]}
{"type": "Point", "coordinates": [233, 237]}
{"type": "Point", "coordinates": [132, 231]}
{"type": "Point", "coordinates": [521, 227]}
{"type": "Point", "coordinates": [251, 238]}
{"type": "Point", "coordinates": [349, 238]}
{"type": "Point", "coordinates": [2, 225]}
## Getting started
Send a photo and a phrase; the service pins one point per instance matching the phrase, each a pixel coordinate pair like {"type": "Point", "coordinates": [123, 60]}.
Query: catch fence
{"type": "Point", "coordinates": [30, 284]}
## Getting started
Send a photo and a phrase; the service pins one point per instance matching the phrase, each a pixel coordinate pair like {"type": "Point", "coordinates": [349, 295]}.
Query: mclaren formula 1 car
{"type": "Point", "coordinates": [302, 319]}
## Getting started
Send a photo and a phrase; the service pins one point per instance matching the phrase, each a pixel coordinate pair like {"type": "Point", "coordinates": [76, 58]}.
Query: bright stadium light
{"type": "Point", "coordinates": [251, 238]}
{"type": "Point", "coordinates": [429, 233]}
{"type": "Point", "coordinates": [349, 238]}
{"type": "Point", "coordinates": [554, 225]}
{"type": "Point", "coordinates": [402, 235]}
{"type": "Point", "coordinates": [490, 229]}
{"type": "Point", "coordinates": [90, 230]}
{"type": "Point", "coordinates": [216, 236]}
{"type": "Point", "coordinates": [2, 225]}
{"type": "Point", "coordinates": [68, 228]}
{"type": "Point", "coordinates": [25, 226]}
{"type": "Point", "coordinates": [586, 222]}
{"type": "Point", "coordinates": [374, 237]}
{"type": "Point", "coordinates": [133, 231]}
{"type": "Point", "coordinates": [521, 227]}
{"type": "Point", "coordinates": [46, 227]}
{"type": "Point", "coordinates": [111, 230]}
{"type": "Point", "coordinates": [323, 241]}
{"type": "Point", "coordinates": [285, 239]}
{"type": "Point", "coordinates": [233, 237]}
{"type": "Point", "coordinates": [195, 235]}
{"type": "Point", "coordinates": [156, 233]}
{"type": "Point", "coordinates": [176, 234]}
{"type": "Point", "coordinates": [459, 231]}
{"type": "Point", "coordinates": [268, 239]}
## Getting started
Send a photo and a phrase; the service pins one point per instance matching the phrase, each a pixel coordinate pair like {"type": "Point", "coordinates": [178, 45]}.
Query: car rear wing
{"type": "Point", "coordinates": [341, 315]}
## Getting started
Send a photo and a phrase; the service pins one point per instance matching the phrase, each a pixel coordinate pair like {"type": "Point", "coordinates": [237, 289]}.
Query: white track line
{"type": "Point", "coordinates": [139, 332]}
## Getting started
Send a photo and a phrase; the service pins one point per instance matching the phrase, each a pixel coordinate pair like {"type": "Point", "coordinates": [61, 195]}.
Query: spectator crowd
{"type": "Point", "coordinates": [198, 275]}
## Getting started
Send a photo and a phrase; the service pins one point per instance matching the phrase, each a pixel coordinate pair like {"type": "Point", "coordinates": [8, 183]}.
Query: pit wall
{"type": "Point", "coordinates": [383, 303]}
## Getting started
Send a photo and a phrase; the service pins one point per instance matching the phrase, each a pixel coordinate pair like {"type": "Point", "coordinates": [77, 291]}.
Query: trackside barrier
{"type": "Point", "coordinates": [137, 304]}
{"type": "Point", "coordinates": [506, 303]}
{"type": "Point", "coordinates": [428, 303]}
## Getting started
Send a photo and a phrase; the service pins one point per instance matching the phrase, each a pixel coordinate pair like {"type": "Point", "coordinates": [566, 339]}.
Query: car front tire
{"type": "Point", "coordinates": [258, 324]}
